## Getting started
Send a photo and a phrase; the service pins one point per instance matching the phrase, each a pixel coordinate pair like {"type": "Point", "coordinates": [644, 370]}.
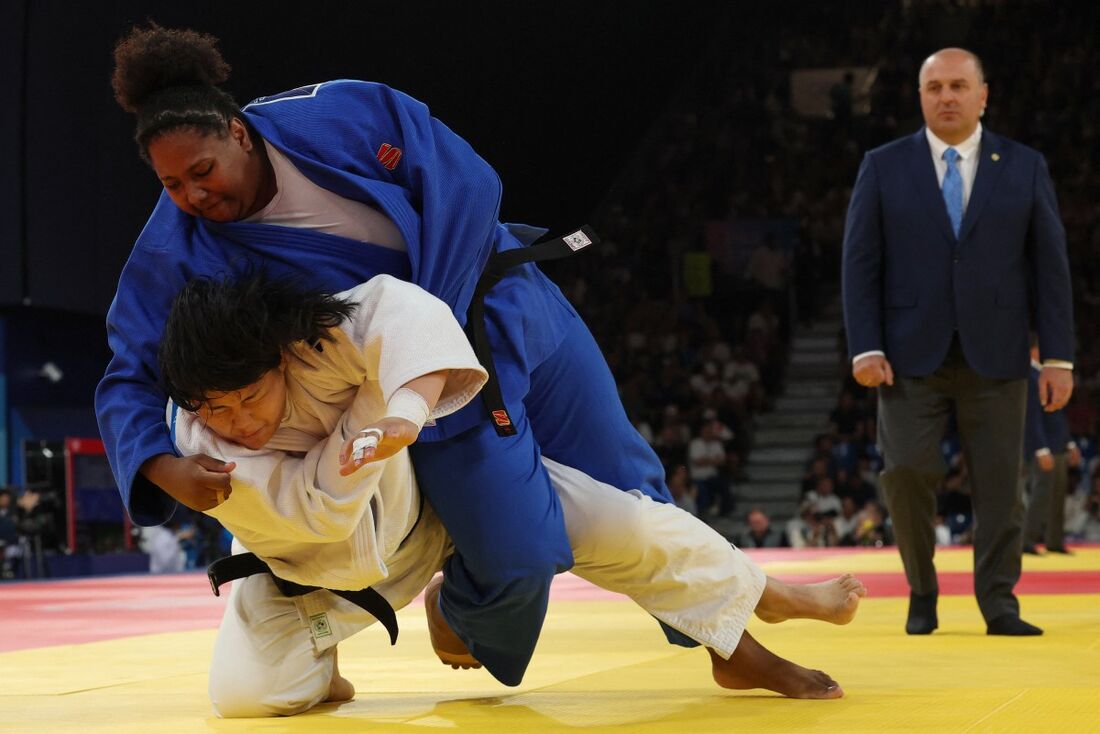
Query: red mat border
{"type": "Point", "coordinates": [37, 614]}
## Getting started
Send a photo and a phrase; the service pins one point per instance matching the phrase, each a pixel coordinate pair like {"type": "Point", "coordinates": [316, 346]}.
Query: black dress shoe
{"type": "Point", "coordinates": [922, 614]}
{"type": "Point", "coordinates": [1031, 550]}
{"type": "Point", "coordinates": [1010, 624]}
{"type": "Point", "coordinates": [1060, 549]}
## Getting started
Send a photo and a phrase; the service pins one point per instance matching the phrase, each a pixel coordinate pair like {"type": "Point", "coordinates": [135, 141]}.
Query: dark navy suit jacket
{"type": "Point", "coordinates": [909, 283]}
{"type": "Point", "coordinates": [1043, 430]}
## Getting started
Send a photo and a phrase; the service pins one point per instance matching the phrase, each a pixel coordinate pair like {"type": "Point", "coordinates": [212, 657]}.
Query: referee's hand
{"type": "Point", "coordinates": [873, 370]}
{"type": "Point", "coordinates": [1055, 388]}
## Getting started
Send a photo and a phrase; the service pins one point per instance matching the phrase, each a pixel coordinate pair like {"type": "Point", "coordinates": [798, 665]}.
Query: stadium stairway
{"type": "Point", "coordinates": [784, 437]}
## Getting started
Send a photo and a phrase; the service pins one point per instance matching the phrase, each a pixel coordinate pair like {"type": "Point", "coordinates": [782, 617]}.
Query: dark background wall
{"type": "Point", "coordinates": [554, 95]}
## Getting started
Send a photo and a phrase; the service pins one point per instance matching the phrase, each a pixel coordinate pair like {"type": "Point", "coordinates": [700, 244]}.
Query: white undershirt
{"type": "Point", "coordinates": [298, 202]}
{"type": "Point", "coordinates": [969, 151]}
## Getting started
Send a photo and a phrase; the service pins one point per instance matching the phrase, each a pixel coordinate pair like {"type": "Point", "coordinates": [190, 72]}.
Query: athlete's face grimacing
{"type": "Point", "coordinates": [216, 177]}
{"type": "Point", "coordinates": [249, 416]}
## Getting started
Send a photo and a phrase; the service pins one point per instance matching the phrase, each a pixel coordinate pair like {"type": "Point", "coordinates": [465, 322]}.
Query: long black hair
{"type": "Point", "coordinates": [224, 334]}
{"type": "Point", "coordinates": [169, 77]}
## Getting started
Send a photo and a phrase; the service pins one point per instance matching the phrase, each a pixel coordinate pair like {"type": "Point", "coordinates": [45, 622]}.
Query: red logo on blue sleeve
{"type": "Point", "coordinates": [389, 156]}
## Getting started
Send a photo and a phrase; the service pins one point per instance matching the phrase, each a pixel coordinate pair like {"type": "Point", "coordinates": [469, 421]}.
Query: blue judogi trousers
{"type": "Point", "coordinates": [511, 542]}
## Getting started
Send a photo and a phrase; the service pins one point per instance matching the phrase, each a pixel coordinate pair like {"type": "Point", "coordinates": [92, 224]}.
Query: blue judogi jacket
{"type": "Point", "coordinates": [340, 134]}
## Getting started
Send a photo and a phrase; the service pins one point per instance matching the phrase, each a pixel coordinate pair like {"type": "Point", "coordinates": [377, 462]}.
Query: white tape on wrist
{"type": "Point", "coordinates": [410, 405]}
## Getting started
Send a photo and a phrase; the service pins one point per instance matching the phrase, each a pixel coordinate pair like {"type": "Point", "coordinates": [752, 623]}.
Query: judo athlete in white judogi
{"type": "Point", "coordinates": [321, 511]}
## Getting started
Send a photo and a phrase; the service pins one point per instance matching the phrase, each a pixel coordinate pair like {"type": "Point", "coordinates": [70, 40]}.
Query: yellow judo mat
{"type": "Point", "coordinates": [602, 665]}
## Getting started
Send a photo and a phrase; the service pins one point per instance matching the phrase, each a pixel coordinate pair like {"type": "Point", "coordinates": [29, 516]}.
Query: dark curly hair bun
{"type": "Point", "coordinates": [148, 60]}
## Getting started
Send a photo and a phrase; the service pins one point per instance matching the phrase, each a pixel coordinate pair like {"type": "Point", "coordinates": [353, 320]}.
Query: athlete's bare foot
{"type": "Point", "coordinates": [447, 644]}
{"type": "Point", "coordinates": [754, 666]}
{"type": "Point", "coordinates": [833, 601]}
{"type": "Point", "coordinates": [340, 688]}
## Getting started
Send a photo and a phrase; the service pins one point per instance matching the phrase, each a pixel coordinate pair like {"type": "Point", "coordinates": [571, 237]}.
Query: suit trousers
{"type": "Point", "coordinates": [913, 416]}
{"type": "Point", "coordinates": [1047, 503]}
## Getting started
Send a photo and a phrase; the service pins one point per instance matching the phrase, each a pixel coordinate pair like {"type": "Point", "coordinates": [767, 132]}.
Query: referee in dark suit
{"type": "Point", "coordinates": [947, 232]}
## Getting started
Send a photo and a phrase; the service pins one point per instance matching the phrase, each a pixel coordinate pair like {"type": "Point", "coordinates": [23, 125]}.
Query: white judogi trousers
{"type": "Point", "coordinates": [274, 654]}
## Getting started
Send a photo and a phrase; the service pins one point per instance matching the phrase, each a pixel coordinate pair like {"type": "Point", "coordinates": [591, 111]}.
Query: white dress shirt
{"type": "Point", "coordinates": [969, 150]}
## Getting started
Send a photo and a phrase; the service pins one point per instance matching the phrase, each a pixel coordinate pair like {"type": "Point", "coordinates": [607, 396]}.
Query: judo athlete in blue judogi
{"type": "Point", "coordinates": [1049, 451]}
{"type": "Point", "coordinates": [334, 183]}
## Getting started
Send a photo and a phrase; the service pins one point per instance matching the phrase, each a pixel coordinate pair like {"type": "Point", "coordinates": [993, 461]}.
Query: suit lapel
{"type": "Point", "coordinates": [989, 170]}
{"type": "Point", "coordinates": [925, 181]}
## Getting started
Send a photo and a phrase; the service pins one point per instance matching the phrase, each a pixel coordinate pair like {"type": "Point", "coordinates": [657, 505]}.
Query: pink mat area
{"type": "Point", "coordinates": [45, 613]}
{"type": "Point", "coordinates": [42, 613]}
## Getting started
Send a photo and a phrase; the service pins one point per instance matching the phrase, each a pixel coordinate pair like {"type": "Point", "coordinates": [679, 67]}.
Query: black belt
{"type": "Point", "coordinates": [495, 269]}
{"type": "Point", "coordinates": [238, 566]}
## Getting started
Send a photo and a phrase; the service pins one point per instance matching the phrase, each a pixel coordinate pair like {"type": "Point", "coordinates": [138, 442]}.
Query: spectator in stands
{"type": "Point", "coordinates": [760, 533]}
{"type": "Point", "coordinates": [684, 492]}
{"type": "Point", "coordinates": [840, 102]}
{"type": "Point", "coordinates": [846, 522]}
{"type": "Point", "coordinates": [1089, 520]}
{"type": "Point", "coordinates": [706, 462]}
{"type": "Point", "coordinates": [162, 546]}
{"type": "Point", "coordinates": [768, 266]}
{"type": "Point", "coordinates": [817, 469]}
{"type": "Point", "coordinates": [846, 417]}
{"type": "Point", "coordinates": [1076, 500]}
{"type": "Point", "coordinates": [953, 504]}
{"type": "Point", "coordinates": [943, 533]}
{"type": "Point", "coordinates": [823, 498]}
{"type": "Point", "coordinates": [705, 380]}
{"type": "Point", "coordinates": [871, 530]}
{"type": "Point", "coordinates": [722, 431]}
{"type": "Point", "coordinates": [852, 485]}
{"type": "Point", "coordinates": [803, 527]}
{"type": "Point", "coordinates": [868, 470]}
{"type": "Point", "coordinates": [9, 534]}
{"type": "Point", "coordinates": [765, 322]}
{"type": "Point", "coordinates": [740, 369]}
{"type": "Point", "coordinates": [38, 522]}
{"type": "Point", "coordinates": [824, 533]}
{"type": "Point", "coordinates": [673, 437]}
{"type": "Point", "coordinates": [1049, 451]}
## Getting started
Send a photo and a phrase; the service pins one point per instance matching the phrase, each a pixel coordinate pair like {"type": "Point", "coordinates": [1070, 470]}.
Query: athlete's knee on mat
{"type": "Point", "coordinates": [254, 694]}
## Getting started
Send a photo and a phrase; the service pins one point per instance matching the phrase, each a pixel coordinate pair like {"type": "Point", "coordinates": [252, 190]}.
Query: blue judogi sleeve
{"type": "Point", "coordinates": [129, 404]}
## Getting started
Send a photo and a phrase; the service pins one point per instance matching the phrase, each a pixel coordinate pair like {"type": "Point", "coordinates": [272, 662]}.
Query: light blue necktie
{"type": "Point", "coordinates": [953, 189]}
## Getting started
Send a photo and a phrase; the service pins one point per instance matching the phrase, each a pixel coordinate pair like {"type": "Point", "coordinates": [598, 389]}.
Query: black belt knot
{"type": "Point", "coordinates": [240, 565]}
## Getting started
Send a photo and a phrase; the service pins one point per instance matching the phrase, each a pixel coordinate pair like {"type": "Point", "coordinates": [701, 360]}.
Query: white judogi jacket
{"type": "Point", "coordinates": [289, 504]}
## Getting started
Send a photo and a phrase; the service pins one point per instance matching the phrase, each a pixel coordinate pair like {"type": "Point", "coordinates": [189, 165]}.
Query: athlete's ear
{"type": "Point", "coordinates": [239, 132]}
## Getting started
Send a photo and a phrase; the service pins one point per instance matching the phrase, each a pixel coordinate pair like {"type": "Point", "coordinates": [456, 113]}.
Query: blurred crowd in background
{"type": "Point", "coordinates": [722, 239]}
